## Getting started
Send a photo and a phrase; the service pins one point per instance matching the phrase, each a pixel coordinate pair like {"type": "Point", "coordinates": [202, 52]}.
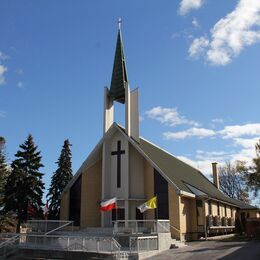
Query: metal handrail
{"type": "Point", "coordinates": [70, 240]}
{"type": "Point", "coordinates": [64, 225]}
{"type": "Point", "coordinates": [116, 243]}
{"type": "Point", "coordinates": [162, 226]}
{"type": "Point", "coordinates": [144, 238]}
{"type": "Point", "coordinates": [8, 242]}
{"type": "Point", "coordinates": [59, 225]}
{"type": "Point", "coordinates": [153, 226]}
{"type": "Point", "coordinates": [43, 220]}
{"type": "Point", "coordinates": [175, 228]}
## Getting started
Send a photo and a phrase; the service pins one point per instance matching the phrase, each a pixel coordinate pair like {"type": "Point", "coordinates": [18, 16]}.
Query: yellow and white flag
{"type": "Point", "coordinates": [150, 204]}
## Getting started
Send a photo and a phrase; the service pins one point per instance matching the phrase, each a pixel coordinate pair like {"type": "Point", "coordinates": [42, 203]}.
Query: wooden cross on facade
{"type": "Point", "coordinates": [118, 153]}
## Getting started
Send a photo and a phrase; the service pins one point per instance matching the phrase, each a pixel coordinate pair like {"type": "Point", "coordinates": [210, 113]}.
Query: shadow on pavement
{"type": "Point", "coordinates": [249, 250]}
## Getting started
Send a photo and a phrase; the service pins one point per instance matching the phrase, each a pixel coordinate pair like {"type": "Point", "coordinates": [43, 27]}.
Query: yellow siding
{"type": "Point", "coordinates": [228, 211]}
{"type": "Point", "coordinates": [222, 210]}
{"type": "Point", "coordinates": [234, 212]}
{"type": "Point", "coordinates": [250, 213]}
{"type": "Point", "coordinates": [64, 209]}
{"type": "Point", "coordinates": [206, 208]}
{"type": "Point", "coordinates": [174, 211]}
{"type": "Point", "coordinates": [214, 208]}
{"type": "Point", "coordinates": [188, 217]}
{"type": "Point", "coordinates": [91, 196]}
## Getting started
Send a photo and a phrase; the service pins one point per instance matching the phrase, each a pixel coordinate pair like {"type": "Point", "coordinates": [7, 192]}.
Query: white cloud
{"type": "Point", "coordinates": [198, 47]}
{"type": "Point", "coordinates": [231, 34]}
{"type": "Point", "coordinates": [219, 156]}
{"type": "Point", "coordinates": [217, 120]}
{"type": "Point", "coordinates": [248, 151]}
{"type": "Point", "coordinates": [169, 116]}
{"type": "Point", "coordinates": [246, 143]}
{"type": "Point", "coordinates": [192, 132]}
{"type": "Point", "coordinates": [195, 22]}
{"type": "Point", "coordinates": [203, 159]}
{"type": "Point", "coordinates": [240, 130]}
{"type": "Point", "coordinates": [187, 5]}
{"type": "Point", "coordinates": [228, 132]}
{"type": "Point", "coordinates": [3, 69]}
{"type": "Point", "coordinates": [203, 165]}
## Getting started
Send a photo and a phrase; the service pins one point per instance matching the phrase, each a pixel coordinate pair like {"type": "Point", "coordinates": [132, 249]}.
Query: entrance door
{"type": "Point", "coordinates": [118, 214]}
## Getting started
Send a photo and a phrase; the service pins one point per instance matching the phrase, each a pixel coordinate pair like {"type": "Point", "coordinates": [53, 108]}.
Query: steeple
{"type": "Point", "coordinates": [120, 91]}
{"type": "Point", "coordinates": [119, 75]}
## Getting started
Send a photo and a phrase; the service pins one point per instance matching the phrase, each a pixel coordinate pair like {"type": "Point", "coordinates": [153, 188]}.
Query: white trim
{"type": "Point", "coordinates": [187, 194]}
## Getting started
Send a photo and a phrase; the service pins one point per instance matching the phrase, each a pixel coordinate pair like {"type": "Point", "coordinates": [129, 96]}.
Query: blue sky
{"type": "Point", "coordinates": [196, 64]}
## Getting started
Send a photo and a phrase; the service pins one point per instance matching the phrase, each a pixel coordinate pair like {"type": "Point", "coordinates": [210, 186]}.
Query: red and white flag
{"type": "Point", "coordinates": [108, 205]}
{"type": "Point", "coordinates": [31, 211]}
{"type": "Point", "coordinates": [46, 210]}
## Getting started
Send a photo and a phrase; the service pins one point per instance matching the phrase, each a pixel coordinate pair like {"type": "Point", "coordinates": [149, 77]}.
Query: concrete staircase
{"type": "Point", "coordinates": [165, 242]}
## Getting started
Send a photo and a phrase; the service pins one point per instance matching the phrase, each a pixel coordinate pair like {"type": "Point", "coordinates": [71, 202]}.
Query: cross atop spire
{"type": "Point", "coordinates": [119, 23]}
{"type": "Point", "coordinates": [119, 75]}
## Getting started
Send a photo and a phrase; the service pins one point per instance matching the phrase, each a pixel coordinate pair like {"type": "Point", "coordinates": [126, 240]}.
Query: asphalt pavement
{"type": "Point", "coordinates": [209, 250]}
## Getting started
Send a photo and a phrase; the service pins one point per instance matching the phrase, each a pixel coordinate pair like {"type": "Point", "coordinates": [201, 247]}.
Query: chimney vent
{"type": "Point", "coordinates": [215, 174]}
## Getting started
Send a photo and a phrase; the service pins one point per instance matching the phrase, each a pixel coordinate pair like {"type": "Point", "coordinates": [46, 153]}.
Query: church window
{"type": "Point", "coordinates": [75, 202]}
{"type": "Point", "coordinates": [161, 191]}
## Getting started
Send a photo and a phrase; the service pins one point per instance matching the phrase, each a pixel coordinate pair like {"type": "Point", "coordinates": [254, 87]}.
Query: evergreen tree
{"type": "Point", "coordinates": [59, 180]}
{"type": "Point", "coordinates": [3, 171]}
{"type": "Point", "coordinates": [7, 221]}
{"type": "Point", "coordinates": [24, 187]}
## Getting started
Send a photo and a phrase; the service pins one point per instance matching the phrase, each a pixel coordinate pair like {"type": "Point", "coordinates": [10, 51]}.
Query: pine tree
{"type": "Point", "coordinates": [3, 171]}
{"type": "Point", "coordinates": [24, 187]}
{"type": "Point", "coordinates": [59, 180]}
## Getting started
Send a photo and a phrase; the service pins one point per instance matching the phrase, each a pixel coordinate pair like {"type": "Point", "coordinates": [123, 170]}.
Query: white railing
{"type": "Point", "coordinates": [146, 243]}
{"type": "Point", "coordinates": [8, 245]}
{"type": "Point", "coordinates": [70, 243]}
{"type": "Point", "coordinates": [141, 226]}
{"type": "Point", "coordinates": [163, 226]}
{"type": "Point", "coordinates": [48, 226]}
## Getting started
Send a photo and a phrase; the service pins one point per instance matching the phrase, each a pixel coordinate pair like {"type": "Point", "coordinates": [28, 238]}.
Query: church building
{"type": "Point", "coordinates": [132, 169]}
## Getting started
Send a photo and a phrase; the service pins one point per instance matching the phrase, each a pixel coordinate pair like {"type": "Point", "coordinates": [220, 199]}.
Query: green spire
{"type": "Point", "coordinates": [119, 75]}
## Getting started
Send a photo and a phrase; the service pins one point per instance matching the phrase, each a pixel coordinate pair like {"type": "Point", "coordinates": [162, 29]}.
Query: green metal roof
{"type": "Point", "coordinates": [243, 205]}
{"type": "Point", "coordinates": [119, 75]}
{"type": "Point", "coordinates": [180, 173]}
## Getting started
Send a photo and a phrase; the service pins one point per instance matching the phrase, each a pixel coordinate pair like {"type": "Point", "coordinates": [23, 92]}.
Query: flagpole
{"type": "Point", "coordinates": [157, 209]}
{"type": "Point", "coordinates": [116, 211]}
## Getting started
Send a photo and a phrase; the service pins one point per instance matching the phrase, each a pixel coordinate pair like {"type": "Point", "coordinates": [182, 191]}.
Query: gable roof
{"type": "Point", "coordinates": [182, 174]}
{"type": "Point", "coordinates": [185, 178]}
